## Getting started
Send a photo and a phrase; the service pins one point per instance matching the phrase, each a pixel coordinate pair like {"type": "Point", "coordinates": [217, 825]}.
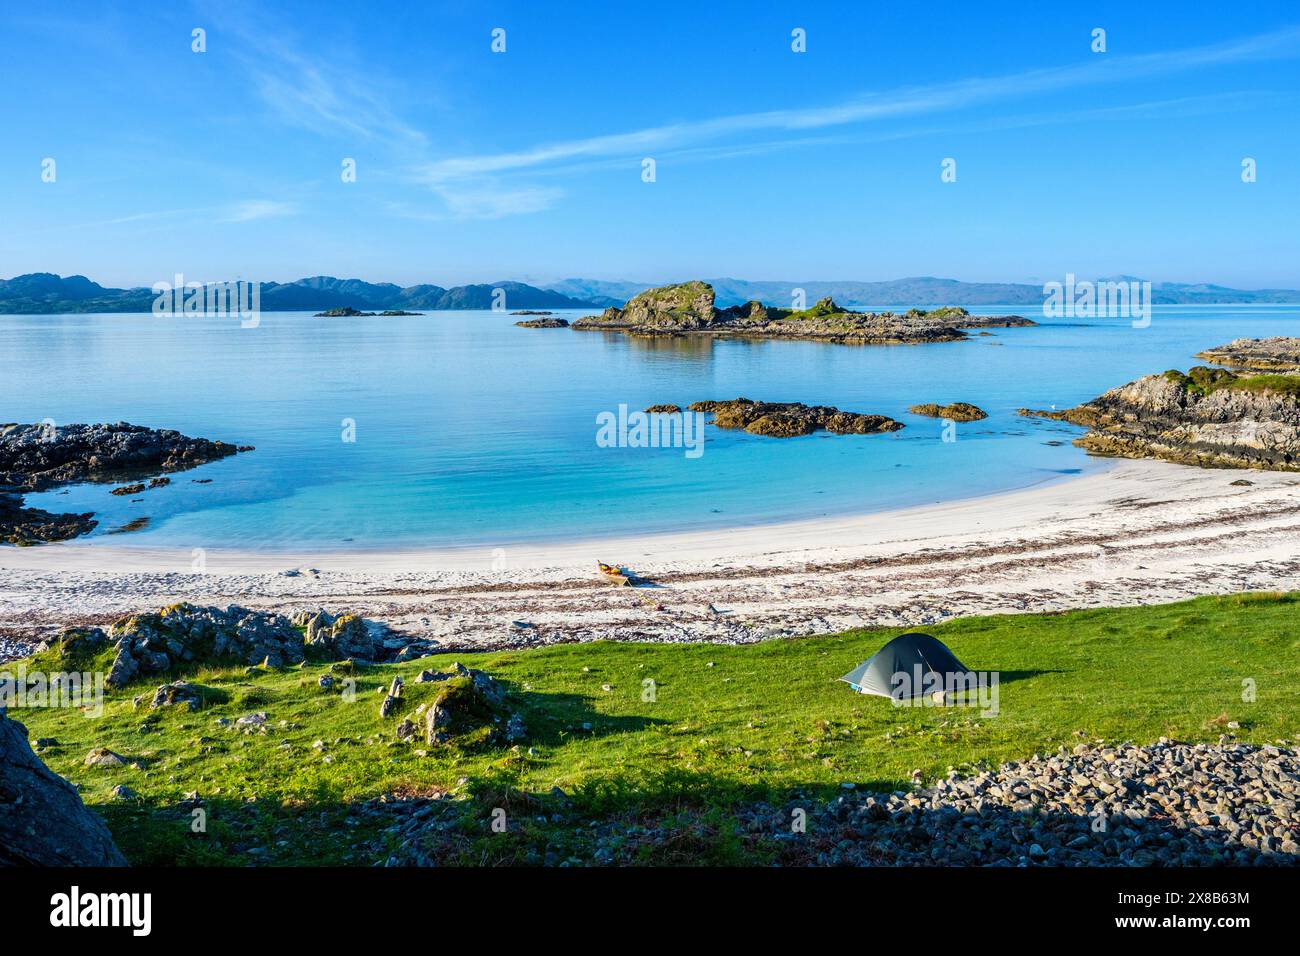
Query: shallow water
{"type": "Point", "coordinates": [470, 431]}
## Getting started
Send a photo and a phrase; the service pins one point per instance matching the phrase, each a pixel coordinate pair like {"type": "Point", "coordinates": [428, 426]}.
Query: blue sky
{"type": "Point", "coordinates": [770, 164]}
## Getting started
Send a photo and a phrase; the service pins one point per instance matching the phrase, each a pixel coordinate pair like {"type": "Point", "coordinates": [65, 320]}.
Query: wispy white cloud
{"type": "Point", "coordinates": [317, 90]}
{"type": "Point", "coordinates": [344, 99]}
{"type": "Point", "coordinates": [251, 209]}
{"type": "Point", "coordinates": [899, 103]}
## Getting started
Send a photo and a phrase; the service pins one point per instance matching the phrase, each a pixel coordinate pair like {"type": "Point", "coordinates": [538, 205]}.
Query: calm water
{"type": "Point", "coordinates": [470, 431]}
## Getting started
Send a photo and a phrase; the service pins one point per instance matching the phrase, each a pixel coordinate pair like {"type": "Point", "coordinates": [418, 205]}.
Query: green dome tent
{"type": "Point", "coordinates": [908, 667]}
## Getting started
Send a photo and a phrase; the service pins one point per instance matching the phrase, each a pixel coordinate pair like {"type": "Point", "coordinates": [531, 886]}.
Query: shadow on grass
{"type": "Point", "coordinates": [676, 818]}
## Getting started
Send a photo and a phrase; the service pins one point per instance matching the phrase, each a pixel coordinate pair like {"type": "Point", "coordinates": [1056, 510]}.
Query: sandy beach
{"type": "Point", "coordinates": [1134, 533]}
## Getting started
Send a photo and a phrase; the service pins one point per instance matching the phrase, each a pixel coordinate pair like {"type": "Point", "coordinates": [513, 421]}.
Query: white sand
{"type": "Point", "coordinates": [1137, 533]}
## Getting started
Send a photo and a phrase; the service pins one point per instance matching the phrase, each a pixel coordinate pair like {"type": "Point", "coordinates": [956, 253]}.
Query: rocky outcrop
{"type": "Point", "coordinates": [40, 457]}
{"type": "Point", "coordinates": [1277, 354]}
{"type": "Point", "coordinates": [1207, 417]}
{"type": "Point", "coordinates": [184, 634]}
{"type": "Point", "coordinates": [469, 707]}
{"type": "Point", "coordinates": [345, 637]}
{"type": "Point", "coordinates": [42, 819]}
{"type": "Point", "coordinates": [957, 411]}
{"type": "Point", "coordinates": [28, 526]}
{"type": "Point", "coordinates": [790, 419]}
{"type": "Point", "coordinates": [551, 323]}
{"type": "Point", "coordinates": [689, 308]}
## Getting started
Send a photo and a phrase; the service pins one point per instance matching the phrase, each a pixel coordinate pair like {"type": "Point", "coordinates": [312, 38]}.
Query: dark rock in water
{"type": "Point", "coordinates": [1277, 354]}
{"type": "Point", "coordinates": [349, 312]}
{"type": "Point", "coordinates": [688, 308]}
{"type": "Point", "coordinates": [664, 410]}
{"type": "Point", "coordinates": [37, 458]}
{"type": "Point", "coordinates": [532, 312]}
{"type": "Point", "coordinates": [790, 419]}
{"type": "Point", "coordinates": [28, 526]}
{"type": "Point", "coordinates": [42, 819]}
{"type": "Point", "coordinates": [135, 524]}
{"type": "Point", "coordinates": [1241, 483]}
{"type": "Point", "coordinates": [40, 457]}
{"type": "Point", "coordinates": [957, 411]}
{"type": "Point", "coordinates": [1208, 417]}
{"type": "Point", "coordinates": [551, 323]}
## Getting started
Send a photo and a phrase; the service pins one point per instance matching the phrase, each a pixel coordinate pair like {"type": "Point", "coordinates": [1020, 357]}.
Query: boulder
{"type": "Point", "coordinates": [43, 821]}
{"type": "Point", "coordinates": [178, 694]}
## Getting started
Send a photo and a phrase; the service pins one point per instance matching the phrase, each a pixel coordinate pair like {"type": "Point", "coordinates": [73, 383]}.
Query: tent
{"type": "Point", "coordinates": [908, 667]}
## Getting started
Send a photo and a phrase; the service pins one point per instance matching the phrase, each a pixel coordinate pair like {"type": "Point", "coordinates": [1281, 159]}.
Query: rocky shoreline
{"type": "Point", "coordinates": [1207, 417]}
{"type": "Point", "coordinates": [35, 458]}
{"type": "Point", "coordinates": [1278, 354]}
{"type": "Point", "coordinates": [688, 309]}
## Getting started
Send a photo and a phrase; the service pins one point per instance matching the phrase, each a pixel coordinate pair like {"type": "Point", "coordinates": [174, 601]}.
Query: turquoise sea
{"type": "Point", "coordinates": [472, 432]}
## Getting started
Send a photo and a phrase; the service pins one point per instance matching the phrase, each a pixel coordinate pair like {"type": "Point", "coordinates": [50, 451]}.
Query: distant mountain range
{"type": "Point", "coordinates": [921, 291]}
{"type": "Point", "coordinates": [43, 292]}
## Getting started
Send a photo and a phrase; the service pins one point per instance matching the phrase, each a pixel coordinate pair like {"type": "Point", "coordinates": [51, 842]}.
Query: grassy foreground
{"type": "Point", "coordinates": [722, 725]}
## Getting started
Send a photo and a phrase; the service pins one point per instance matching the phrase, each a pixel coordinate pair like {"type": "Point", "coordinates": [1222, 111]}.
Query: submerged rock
{"type": "Point", "coordinates": [688, 308]}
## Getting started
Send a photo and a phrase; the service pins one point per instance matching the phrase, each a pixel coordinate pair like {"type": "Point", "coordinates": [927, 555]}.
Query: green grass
{"type": "Point", "coordinates": [1203, 381]}
{"type": "Point", "coordinates": [725, 724]}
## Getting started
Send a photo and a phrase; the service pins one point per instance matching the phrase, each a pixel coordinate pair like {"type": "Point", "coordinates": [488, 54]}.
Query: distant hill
{"type": "Point", "coordinates": [46, 293]}
{"type": "Point", "coordinates": [921, 291]}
